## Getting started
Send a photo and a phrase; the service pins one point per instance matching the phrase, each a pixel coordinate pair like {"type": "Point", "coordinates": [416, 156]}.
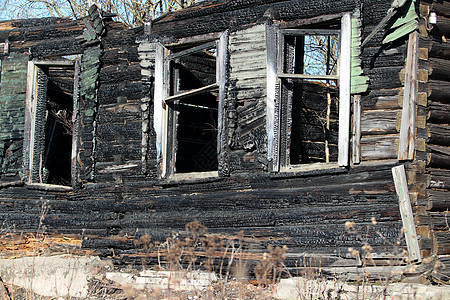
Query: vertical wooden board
{"type": "Point", "coordinates": [221, 78]}
{"type": "Point", "coordinates": [75, 123]}
{"type": "Point", "coordinates": [158, 110]}
{"type": "Point", "coordinates": [29, 120]}
{"type": "Point", "coordinates": [271, 44]}
{"type": "Point", "coordinates": [401, 187]}
{"type": "Point", "coordinates": [407, 127]}
{"type": "Point", "coordinates": [344, 91]}
{"type": "Point", "coordinates": [356, 145]}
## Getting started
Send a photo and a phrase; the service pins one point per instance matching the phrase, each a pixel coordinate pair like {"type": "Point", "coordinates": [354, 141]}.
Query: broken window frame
{"type": "Point", "coordinates": [165, 119]}
{"type": "Point", "coordinates": [31, 157]}
{"type": "Point", "coordinates": [277, 153]}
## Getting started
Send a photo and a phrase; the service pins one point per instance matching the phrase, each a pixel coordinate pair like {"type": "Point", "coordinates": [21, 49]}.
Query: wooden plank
{"type": "Point", "coordinates": [204, 89]}
{"type": "Point", "coordinates": [29, 120]}
{"type": "Point", "coordinates": [356, 129]}
{"type": "Point", "coordinates": [67, 63]}
{"type": "Point", "coordinates": [221, 78]}
{"type": "Point", "coordinates": [191, 50]}
{"type": "Point", "coordinates": [297, 32]}
{"type": "Point", "coordinates": [76, 122]}
{"type": "Point", "coordinates": [306, 76]}
{"type": "Point", "coordinates": [401, 187]}
{"type": "Point", "coordinates": [344, 91]}
{"type": "Point", "coordinates": [271, 45]}
{"type": "Point", "coordinates": [158, 111]}
{"type": "Point", "coordinates": [407, 127]}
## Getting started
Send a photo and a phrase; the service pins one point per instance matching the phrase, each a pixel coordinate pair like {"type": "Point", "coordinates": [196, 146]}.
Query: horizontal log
{"type": "Point", "coordinates": [442, 26]}
{"type": "Point", "coordinates": [381, 99]}
{"type": "Point", "coordinates": [379, 147]}
{"type": "Point", "coordinates": [439, 90]}
{"type": "Point", "coordinates": [442, 243]}
{"type": "Point", "coordinates": [439, 134]}
{"type": "Point", "coordinates": [439, 113]}
{"type": "Point", "coordinates": [439, 69]}
{"type": "Point", "coordinates": [440, 221]}
{"type": "Point", "coordinates": [379, 121]}
{"type": "Point", "coordinates": [441, 8]}
{"type": "Point", "coordinates": [439, 49]}
{"type": "Point", "coordinates": [438, 181]}
{"type": "Point", "coordinates": [438, 200]}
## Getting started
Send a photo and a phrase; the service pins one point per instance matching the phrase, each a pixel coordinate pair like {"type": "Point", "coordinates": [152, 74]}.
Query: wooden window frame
{"type": "Point", "coordinates": [31, 107]}
{"type": "Point", "coordinates": [275, 106]}
{"type": "Point", "coordinates": [164, 118]}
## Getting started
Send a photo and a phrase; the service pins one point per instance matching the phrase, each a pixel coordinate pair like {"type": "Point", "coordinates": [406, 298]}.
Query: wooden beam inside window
{"type": "Point", "coordinates": [307, 76]}
{"type": "Point", "coordinates": [295, 32]}
{"type": "Point", "coordinates": [191, 50]}
{"type": "Point", "coordinates": [193, 92]}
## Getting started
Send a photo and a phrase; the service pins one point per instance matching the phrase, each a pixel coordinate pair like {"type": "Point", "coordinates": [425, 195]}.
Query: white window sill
{"type": "Point", "coordinates": [48, 187]}
{"type": "Point", "coordinates": [310, 169]}
{"type": "Point", "coordinates": [193, 176]}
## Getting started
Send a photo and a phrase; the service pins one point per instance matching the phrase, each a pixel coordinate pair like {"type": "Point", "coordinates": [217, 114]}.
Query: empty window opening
{"type": "Point", "coordinates": [195, 111]}
{"type": "Point", "coordinates": [51, 137]}
{"type": "Point", "coordinates": [311, 92]}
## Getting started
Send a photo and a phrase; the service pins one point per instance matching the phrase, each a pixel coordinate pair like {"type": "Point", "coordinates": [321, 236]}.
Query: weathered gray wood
{"type": "Point", "coordinates": [344, 91]}
{"type": "Point", "coordinates": [379, 147]}
{"type": "Point", "coordinates": [401, 187]}
{"type": "Point", "coordinates": [407, 127]}
{"type": "Point", "coordinates": [356, 129]}
{"type": "Point", "coordinates": [76, 124]}
{"type": "Point", "coordinates": [271, 38]}
{"type": "Point", "coordinates": [30, 107]}
{"type": "Point", "coordinates": [160, 113]}
{"type": "Point", "coordinates": [221, 78]}
{"type": "Point", "coordinates": [378, 122]}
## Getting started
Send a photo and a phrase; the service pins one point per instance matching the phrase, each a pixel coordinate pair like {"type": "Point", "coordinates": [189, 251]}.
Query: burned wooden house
{"type": "Point", "coordinates": [284, 119]}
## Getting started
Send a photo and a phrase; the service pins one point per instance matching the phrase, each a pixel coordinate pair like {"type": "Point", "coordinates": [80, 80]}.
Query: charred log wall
{"type": "Point", "coordinates": [119, 121]}
{"type": "Point", "coordinates": [307, 214]}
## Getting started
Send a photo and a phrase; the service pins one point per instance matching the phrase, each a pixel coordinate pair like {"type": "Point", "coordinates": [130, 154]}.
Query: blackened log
{"type": "Point", "coordinates": [438, 200]}
{"type": "Point", "coordinates": [439, 49]}
{"type": "Point", "coordinates": [438, 134]}
{"type": "Point", "coordinates": [442, 26]}
{"type": "Point", "coordinates": [438, 160]}
{"type": "Point", "coordinates": [439, 113]}
{"type": "Point", "coordinates": [441, 8]}
{"type": "Point", "coordinates": [439, 69]}
{"type": "Point", "coordinates": [443, 242]}
{"type": "Point", "coordinates": [439, 90]}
